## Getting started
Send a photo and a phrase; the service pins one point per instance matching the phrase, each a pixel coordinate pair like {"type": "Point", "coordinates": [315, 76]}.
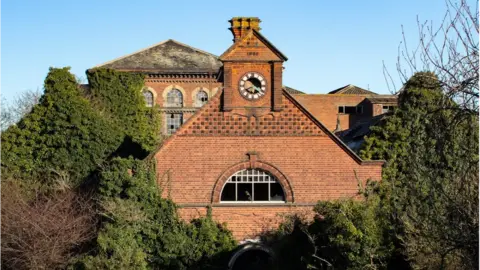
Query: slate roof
{"type": "Point", "coordinates": [383, 99]}
{"type": "Point", "coordinates": [170, 56]}
{"type": "Point", "coordinates": [352, 90]}
{"type": "Point", "coordinates": [292, 91]}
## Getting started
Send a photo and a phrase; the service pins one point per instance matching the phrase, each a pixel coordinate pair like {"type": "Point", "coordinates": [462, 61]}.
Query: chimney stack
{"type": "Point", "coordinates": [241, 25]}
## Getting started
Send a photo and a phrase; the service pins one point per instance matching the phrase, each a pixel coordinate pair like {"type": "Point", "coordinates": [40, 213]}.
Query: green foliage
{"type": "Point", "coordinates": [350, 234]}
{"type": "Point", "coordinates": [62, 134]}
{"type": "Point", "coordinates": [68, 134]}
{"type": "Point", "coordinates": [345, 234]}
{"type": "Point", "coordinates": [157, 238]}
{"type": "Point", "coordinates": [119, 95]}
{"type": "Point", "coordinates": [431, 176]}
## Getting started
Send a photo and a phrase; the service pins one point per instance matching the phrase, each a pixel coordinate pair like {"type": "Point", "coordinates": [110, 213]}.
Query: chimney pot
{"type": "Point", "coordinates": [241, 25]}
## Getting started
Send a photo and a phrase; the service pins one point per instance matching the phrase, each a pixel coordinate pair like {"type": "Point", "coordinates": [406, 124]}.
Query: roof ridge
{"type": "Point", "coordinates": [349, 87]}
{"type": "Point", "coordinates": [193, 48]}
{"type": "Point", "coordinates": [153, 46]}
{"type": "Point", "coordinates": [262, 38]}
{"type": "Point", "coordinates": [138, 51]}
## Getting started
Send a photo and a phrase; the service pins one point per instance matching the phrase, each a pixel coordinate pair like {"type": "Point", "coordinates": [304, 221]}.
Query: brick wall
{"type": "Point", "coordinates": [248, 222]}
{"type": "Point", "coordinates": [188, 85]}
{"type": "Point", "coordinates": [190, 166]}
{"type": "Point", "coordinates": [325, 108]}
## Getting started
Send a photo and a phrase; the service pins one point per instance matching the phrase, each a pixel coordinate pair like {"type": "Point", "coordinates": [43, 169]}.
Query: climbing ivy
{"type": "Point", "coordinates": [63, 135]}
{"type": "Point", "coordinates": [142, 230]}
{"type": "Point", "coordinates": [119, 95]}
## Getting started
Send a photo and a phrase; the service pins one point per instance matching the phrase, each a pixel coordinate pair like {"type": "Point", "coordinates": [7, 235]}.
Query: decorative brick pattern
{"type": "Point", "coordinates": [289, 122]}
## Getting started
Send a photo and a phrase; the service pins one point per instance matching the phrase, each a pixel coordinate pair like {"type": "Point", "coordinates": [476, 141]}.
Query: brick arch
{"type": "Point", "coordinates": [194, 94]}
{"type": "Point", "coordinates": [151, 90]}
{"type": "Point", "coordinates": [282, 179]}
{"type": "Point", "coordinates": [168, 89]}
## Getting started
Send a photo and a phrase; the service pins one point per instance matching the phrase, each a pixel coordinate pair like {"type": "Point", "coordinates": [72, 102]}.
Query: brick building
{"type": "Point", "coordinates": [241, 142]}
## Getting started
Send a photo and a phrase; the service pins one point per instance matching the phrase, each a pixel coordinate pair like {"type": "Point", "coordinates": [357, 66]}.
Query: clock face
{"type": "Point", "coordinates": [252, 86]}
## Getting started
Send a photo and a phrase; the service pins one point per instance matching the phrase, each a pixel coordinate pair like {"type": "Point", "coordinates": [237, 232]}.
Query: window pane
{"type": "Point", "coordinates": [350, 109]}
{"type": "Point", "coordinates": [202, 98]}
{"type": "Point", "coordinates": [148, 96]}
{"type": "Point", "coordinates": [175, 98]}
{"type": "Point", "coordinates": [252, 185]}
{"type": "Point", "coordinates": [261, 192]}
{"type": "Point", "coordinates": [174, 121]}
{"type": "Point", "coordinates": [340, 109]}
{"type": "Point", "coordinates": [228, 193]}
{"type": "Point", "coordinates": [276, 192]}
{"type": "Point", "coordinates": [244, 192]}
{"type": "Point", "coordinates": [359, 109]}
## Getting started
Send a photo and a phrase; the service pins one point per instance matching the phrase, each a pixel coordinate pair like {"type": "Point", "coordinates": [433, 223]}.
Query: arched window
{"type": "Point", "coordinates": [202, 98]}
{"type": "Point", "coordinates": [252, 185]}
{"type": "Point", "coordinates": [175, 98]}
{"type": "Point", "coordinates": [148, 96]}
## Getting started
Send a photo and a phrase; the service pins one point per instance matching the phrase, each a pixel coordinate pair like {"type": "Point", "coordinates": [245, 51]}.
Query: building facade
{"type": "Point", "coordinates": [242, 143]}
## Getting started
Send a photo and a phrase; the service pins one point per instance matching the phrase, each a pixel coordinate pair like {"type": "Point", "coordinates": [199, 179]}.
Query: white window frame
{"type": "Point", "coordinates": [258, 176]}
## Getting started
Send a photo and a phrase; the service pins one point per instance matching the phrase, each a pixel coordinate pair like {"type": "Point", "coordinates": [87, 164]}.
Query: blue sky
{"type": "Point", "coordinates": [329, 43]}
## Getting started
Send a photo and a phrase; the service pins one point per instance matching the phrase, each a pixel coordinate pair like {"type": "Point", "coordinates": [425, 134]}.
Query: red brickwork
{"type": "Point", "coordinates": [188, 85]}
{"type": "Point", "coordinates": [191, 167]}
{"type": "Point", "coordinates": [325, 108]}
{"type": "Point", "coordinates": [291, 121]}
{"type": "Point", "coordinates": [249, 222]}
{"type": "Point", "coordinates": [234, 71]}
{"type": "Point", "coordinates": [274, 133]}
{"type": "Point", "coordinates": [250, 47]}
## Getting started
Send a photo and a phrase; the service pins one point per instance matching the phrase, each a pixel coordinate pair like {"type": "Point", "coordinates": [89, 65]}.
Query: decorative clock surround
{"type": "Point", "coordinates": [252, 86]}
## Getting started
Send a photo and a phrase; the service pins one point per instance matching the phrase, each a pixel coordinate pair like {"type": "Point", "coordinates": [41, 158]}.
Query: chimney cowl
{"type": "Point", "coordinates": [241, 25]}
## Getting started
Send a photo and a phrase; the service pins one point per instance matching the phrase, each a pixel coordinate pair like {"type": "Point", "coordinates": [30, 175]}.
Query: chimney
{"type": "Point", "coordinates": [241, 25]}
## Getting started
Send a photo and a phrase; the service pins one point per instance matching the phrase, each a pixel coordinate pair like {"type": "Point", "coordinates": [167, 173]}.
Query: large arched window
{"type": "Point", "coordinates": [252, 185]}
{"type": "Point", "coordinates": [201, 98]}
{"type": "Point", "coordinates": [175, 98]}
{"type": "Point", "coordinates": [148, 96]}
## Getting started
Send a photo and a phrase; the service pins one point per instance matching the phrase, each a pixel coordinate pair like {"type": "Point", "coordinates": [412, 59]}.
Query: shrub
{"type": "Point", "coordinates": [133, 209]}
{"type": "Point", "coordinates": [44, 231]}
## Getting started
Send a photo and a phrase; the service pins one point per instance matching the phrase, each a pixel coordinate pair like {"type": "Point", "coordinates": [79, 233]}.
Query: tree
{"type": "Point", "coordinates": [46, 231]}
{"type": "Point", "coordinates": [24, 103]}
{"type": "Point", "coordinates": [63, 134]}
{"type": "Point", "coordinates": [118, 95]}
{"type": "Point", "coordinates": [431, 175]}
{"type": "Point", "coordinates": [451, 51]}
{"type": "Point", "coordinates": [5, 116]}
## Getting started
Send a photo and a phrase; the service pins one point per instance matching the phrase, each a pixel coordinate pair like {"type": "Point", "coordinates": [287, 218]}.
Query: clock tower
{"type": "Point", "coordinates": [252, 70]}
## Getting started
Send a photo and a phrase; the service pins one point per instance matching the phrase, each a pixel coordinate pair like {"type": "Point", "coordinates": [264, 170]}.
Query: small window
{"type": "Point", "coordinates": [252, 185]}
{"type": "Point", "coordinates": [202, 98]}
{"type": "Point", "coordinates": [175, 98]}
{"type": "Point", "coordinates": [387, 109]}
{"type": "Point", "coordinates": [174, 121]}
{"type": "Point", "coordinates": [148, 96]}
{"type": "Point", "coordinates": [350, 109]}
{"type": "Point", "coordinates": [359, 109]}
